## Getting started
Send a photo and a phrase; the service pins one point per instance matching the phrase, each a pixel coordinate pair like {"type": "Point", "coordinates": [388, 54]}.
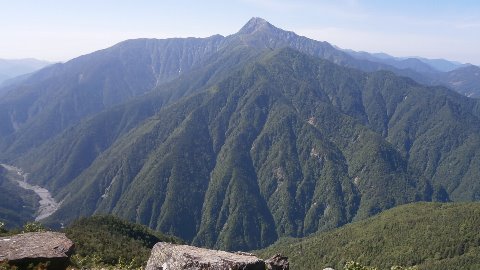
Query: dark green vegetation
{"type": "Point", "coordinates": [287, 146]}
{"type": "Point", "coordinates": [104, 241]}
{"type": "Point", "coordinates": [107, 240]}
{"type": "Point", "coordinates": [250, 142]}
{"type": "Point", "coordinates": [430, 235]}
{"type": "Point", "coordinates": [32, 266]}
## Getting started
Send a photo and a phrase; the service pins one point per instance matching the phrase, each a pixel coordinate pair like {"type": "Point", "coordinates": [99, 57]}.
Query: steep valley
{"type": "Point", "coordinates": [235, 142]}
{"type": "Point", "coordinates": [302, 151]}
{"type": "Point", "coordinates": [47, 205]}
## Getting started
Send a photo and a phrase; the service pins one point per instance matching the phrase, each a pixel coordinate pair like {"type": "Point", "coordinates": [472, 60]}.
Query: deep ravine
{"type": "Point", "coordinates": [48, 205]}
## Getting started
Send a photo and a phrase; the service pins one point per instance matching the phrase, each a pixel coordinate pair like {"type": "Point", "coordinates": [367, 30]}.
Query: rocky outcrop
{"type": "Point", "coordinates": [277, 262]}
{"type": "Point", "coordinates": [38, 247]}
{"type": "Point", "coordinates": [167, 256]}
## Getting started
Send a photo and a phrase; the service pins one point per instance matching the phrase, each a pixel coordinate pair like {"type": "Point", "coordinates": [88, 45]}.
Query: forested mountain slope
{"type": "Point", "coordinates": [251, 141]}
{"type": "Point", "coordinates": [41, 106]}
{"type": "Point", "coordinates": [430, 235]}
{"type": "Point", "coordinates": [289, 145]}
{"type": "Point", "coordinates": [55, 98]}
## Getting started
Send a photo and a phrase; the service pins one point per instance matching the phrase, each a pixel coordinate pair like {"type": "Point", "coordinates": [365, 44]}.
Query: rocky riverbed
{"type": "Point", "coordinates": [47, 203]}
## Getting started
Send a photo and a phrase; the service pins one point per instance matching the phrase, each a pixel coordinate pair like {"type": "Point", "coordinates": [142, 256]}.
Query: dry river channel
{"type": "Point", "coordinates": [47, 203]}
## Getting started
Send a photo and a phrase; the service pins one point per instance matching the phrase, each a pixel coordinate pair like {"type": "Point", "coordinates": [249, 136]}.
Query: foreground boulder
{"type": "Point", "coordinates": [37, 247]}
{"type": "Point", "coordinates": [167, 256]}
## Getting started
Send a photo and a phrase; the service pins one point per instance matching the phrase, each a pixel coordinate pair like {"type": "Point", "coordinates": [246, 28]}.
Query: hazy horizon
{"type": "Point", "coordinates": [59, 31]}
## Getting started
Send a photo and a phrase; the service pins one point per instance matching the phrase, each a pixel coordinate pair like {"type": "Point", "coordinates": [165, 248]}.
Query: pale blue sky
{"type": "Point", "coordinates": [58, 30]}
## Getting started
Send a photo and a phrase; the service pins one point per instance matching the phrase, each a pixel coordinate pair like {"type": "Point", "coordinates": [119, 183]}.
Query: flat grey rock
{"type": "Point", "coordinates": [36, 247]}
{"type": "Point", "coordinates": [167, 256]}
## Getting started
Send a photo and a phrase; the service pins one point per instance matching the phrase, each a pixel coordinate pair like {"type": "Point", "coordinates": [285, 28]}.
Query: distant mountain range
{"type": "Point", "coordinates": [10, 68]}
{"type": "Point", "coordinates": [463, 78]}
{"type": "Point", "coordinates": [419, 64]}
{"type": "Point", "coordinates": [233, 142]}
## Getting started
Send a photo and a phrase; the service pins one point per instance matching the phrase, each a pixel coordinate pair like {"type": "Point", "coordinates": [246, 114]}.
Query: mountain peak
{"type": "Point", "coordinates": [255, 24]}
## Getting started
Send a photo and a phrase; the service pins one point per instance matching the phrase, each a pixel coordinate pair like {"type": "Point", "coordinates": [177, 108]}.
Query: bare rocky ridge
{"type": "Point", "coordinates": [26, 248]}
{"type": "Point", "coordinates": [167, 256]}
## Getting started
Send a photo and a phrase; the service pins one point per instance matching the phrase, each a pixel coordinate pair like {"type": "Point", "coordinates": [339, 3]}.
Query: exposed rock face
{"type": "Point", "coordinates": [167, 256]}
{"type": "Point", "coordinates": [23, 249]}
{"type": "Point", "coordinates": [277, 262]}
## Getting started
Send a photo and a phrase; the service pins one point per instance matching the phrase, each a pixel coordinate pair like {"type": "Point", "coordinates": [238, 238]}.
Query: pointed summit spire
{"type": "Point", "coordinates": [255, 24]}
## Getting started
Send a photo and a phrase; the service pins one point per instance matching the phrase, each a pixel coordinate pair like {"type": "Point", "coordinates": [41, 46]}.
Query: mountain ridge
{"type": "Point", "coordinates": [134, 67]}
{"type": "Point", "coordinates": [270, 140]}
{"type": "Point", "coordinates": [146, 171]}
{"type": "Point", "coordinates": [15, 67]}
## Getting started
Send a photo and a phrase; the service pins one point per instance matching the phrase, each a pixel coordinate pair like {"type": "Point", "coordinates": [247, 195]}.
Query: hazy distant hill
{"type": "Point", "coordinates": [3, 77]}
{"type": "Point", "coordinates": [431, 236]}
{"type": "Point", "coordinates": [401, 63]}
{"type": "Point", "coordinates": [419, 64]}
{"type": "Point", "coordinates": [10, 68]}
{"type": "Point", "coordinates": [465, 80]}
{"type": "Point", "coordinates": [441, 64]}
{"type": "Point", "coordinates": [232, 142]}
